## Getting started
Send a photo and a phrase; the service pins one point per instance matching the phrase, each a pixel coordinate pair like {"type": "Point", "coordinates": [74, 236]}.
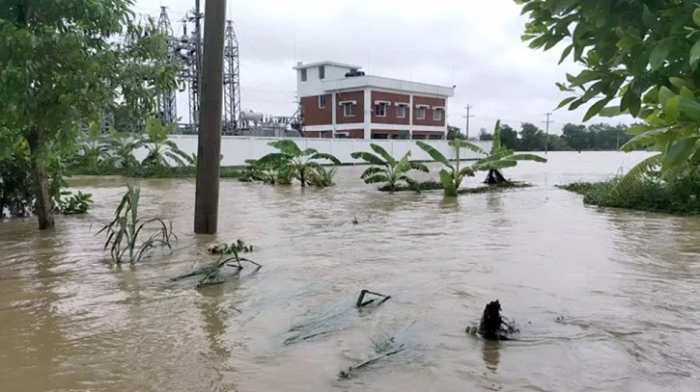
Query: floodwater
{"type": "Point", "coordinates": [624, 283]}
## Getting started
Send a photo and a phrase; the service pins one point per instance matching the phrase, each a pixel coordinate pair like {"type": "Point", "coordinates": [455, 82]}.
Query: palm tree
{"type": "Point", "coordinates": [301, 162]}
{"type": "Point", "coordinates": [386, 169]}
{"type": "Point", "coordinates": [501, 157]}
{"type": "Point", "coordinates": [160, 148]}
{"type": "Point", "coordinates": [451, 176]}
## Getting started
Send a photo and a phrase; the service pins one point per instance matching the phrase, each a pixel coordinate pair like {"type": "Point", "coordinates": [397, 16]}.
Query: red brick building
{"type": "Point", "coordinates": [340, 101]}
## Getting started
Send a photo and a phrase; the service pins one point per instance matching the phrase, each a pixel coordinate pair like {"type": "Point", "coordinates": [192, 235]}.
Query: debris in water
{"type": "Point", "coordinates": [383, 350]}
{"type": "Point", "coordinates": [493, 326]}
{"type": "Point", "coordinates": [354, 221]}
{"type": "Point", "coordinates": [360, 299]}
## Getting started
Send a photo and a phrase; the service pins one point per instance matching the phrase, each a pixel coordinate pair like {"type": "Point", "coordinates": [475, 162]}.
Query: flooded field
{"type": "Point", "coordinates": [625, 285]}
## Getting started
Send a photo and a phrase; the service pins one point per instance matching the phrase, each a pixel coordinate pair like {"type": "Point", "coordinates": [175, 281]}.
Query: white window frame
{"type": "Point", "coordinates": [402, 108]}
{"type": "Point", "coordinates": [420, 112]}
{"type": "Point", "coordinates": [437, 112]}
{"type": "Point", "coordinates": [380, 109]}
{"type": "Point", "coordinates": [322, 72]}
{"type": "Point", "coordinates": [346, 106]}
{"type": "Point", "coordinates": [321, 101]}
{"type": "Point", "coordinates": [304, 75]}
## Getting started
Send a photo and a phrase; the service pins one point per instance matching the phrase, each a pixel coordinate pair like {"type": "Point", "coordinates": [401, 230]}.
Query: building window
{"type": "Point", "coordinates": [420, 113]}
{"type": "Point", "coordinates": [401, 111]}
{"type": "Point", "coordinates": [321, 101]}
{"type": "Point", "coordinates": [437, 114]}
{"type": "Point", "coordinates": [303, 75]}
{"type": "Point", "coordinates": [349, 109]}
{"type": "Point", "coordinates": [380, 109]}
{"type": "Point", "coordinates": [322, 72]}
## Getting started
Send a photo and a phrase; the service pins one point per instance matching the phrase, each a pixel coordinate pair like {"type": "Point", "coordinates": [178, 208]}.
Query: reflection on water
{"type": "Point", "coordinates": [625, 284]}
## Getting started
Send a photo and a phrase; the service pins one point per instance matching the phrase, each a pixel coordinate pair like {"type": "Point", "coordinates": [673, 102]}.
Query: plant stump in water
{"type": "Point", "coordinates": [493, 325]}
{"type": "Point", "coordinates": [491, 321]}
{"type": "Point", "coordinates": [495, 178]}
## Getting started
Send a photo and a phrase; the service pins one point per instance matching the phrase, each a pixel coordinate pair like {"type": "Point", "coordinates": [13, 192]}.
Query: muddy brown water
{"type": "Point", "coordinates": [625, 283]}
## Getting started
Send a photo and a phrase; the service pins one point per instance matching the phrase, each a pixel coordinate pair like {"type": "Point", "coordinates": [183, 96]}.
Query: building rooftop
{"type": "Point", "coordinates": [301, 65]}
{"type": "Point", "coordinates": [355, 82]}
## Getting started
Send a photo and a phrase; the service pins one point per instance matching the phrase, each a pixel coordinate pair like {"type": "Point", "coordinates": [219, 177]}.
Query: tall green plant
{"type": "Point", "coordinates": [93, 150]}
{"type": "Point", "coordinates": [301, 163]}
{"type": "Point", "coordinates": [386, 169]}
{"type": "Point", "coordinates": [125, 231]}
{"type": "Point", "coordinates": [501, 157]}
{"type": "Point", "coordinates": [452, 175]}
{"type": "Point", "coordinates": [160, 148]}
{"type": "Point", "coordinates": [121, 149]}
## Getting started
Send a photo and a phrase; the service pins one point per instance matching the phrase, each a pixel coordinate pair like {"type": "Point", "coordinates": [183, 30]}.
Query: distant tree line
{"type": "Point", "coordinates": [577, 137]}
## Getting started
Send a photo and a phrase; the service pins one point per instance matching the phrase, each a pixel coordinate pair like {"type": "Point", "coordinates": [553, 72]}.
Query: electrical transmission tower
{"type": "Point", "coordinates": [167, 108]}
{"type": "Point", "coordinates": [232, 84]}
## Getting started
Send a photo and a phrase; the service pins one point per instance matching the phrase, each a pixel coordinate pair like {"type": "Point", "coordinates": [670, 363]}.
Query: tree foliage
{"type": "Point", "coordinates": [62, 63]}
{"type": "Point", "coordinates": [644, 53]}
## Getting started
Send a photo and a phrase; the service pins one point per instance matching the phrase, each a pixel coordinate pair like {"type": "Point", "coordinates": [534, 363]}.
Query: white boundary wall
{"type": "Point", "coordinates": [237, 149]}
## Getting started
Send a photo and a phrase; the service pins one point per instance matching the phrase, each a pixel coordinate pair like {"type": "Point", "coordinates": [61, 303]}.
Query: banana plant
{"type": "Point", "coordinates": [122, 150]}
{"type": "Point", "coordinates": [93, 148]}
{"type": "Point", "coordinates": [386, 169]}
{"type": "Point", "coordinates": [501, 157]}
{"type": "Point", "coordinates": [160, 149]}
{"type": "Point", "coordinates": [451, 176]}
{"type": "Point", "coordinates": [300, 162]}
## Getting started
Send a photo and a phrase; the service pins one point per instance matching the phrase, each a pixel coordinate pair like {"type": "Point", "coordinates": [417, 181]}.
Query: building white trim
{"type": "Point", "coordinates": [387, 127]}
{"type": "Point", "coordinates": [379, 101]}
{"type": "Point", "coordinates": [378, 83]}
{"type": "Point", "coordinates": [439, 107]}
{"type": "Point", "coordinates": [320, 63]}
{"type": "Point", "coordinates": [368, 113]}
{"type": "Point", "coordinates": [402, 104]}
{"type": "Point", "coordinates": [342, 103]}
{"type": "Point", "coordinates": [420, 105]}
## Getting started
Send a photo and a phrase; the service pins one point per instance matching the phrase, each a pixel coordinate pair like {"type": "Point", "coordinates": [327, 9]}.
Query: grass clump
{"type": "Point", "coordinates": [679, 196]}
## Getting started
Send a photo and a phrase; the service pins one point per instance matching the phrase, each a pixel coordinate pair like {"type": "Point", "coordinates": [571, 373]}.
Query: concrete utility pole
{"type": "Point", "coordinates": [468, 116]}
{"type": "Point", "coordinates": [206, 212]}
{"type": "Point", "coordinates": [546, 139]}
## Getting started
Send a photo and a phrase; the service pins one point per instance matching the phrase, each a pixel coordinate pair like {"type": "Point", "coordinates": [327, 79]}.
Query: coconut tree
{"type": "Point", "coordinates": [300, 162]}
{"type": "Point", "coordinates": [386, 169]}
{"type": "Point", "coordinates": [501, 157]}
{"type": "Point", "coordinates": [451, 176]}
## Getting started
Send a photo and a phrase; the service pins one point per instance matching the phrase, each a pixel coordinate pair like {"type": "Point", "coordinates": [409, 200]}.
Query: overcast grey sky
{"type": "Point", "coordinates": [473, 44]}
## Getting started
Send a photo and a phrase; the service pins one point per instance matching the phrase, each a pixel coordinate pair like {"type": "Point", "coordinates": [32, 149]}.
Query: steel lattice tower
{"type": "Point", "coordinates": [167, 108]}
{"type": "Point", "coordinates": [232, 82]}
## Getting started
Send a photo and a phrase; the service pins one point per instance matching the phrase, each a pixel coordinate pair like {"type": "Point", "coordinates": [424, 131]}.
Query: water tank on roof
{"type": "Point", "coordinates": [251, 116]}
{"type": "Point", "coordinates": [354, 73]}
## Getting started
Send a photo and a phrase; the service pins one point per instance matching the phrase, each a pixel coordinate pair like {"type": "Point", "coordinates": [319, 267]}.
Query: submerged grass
{"type": "Point", "coordinates": [678, 197]}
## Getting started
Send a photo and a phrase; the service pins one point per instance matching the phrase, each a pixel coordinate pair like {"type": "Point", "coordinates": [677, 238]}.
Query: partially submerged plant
{"type": "Point", "coordinates": [301, 163]}
{"type": "Point", "coordinates": [451, 176]}
{"type": "Point", "coordinates": [124, 232]}
{"type": "Point", "coordinates": [229, 257]}
{"type": "Point", "coordinates": [362, 303]}
{"type": "Point", "coordinates": [270, 172]}
{"type": "Point", "coordinates": [73, 204]}
{"type": "Point", "coordinates": [229, 249]}
{"type": "Point", "coordinates": [387, 170]}
{"type": "Point", "coordinates": [501, 157]}
{"type": "Point", "coordinates": [321, 177]}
